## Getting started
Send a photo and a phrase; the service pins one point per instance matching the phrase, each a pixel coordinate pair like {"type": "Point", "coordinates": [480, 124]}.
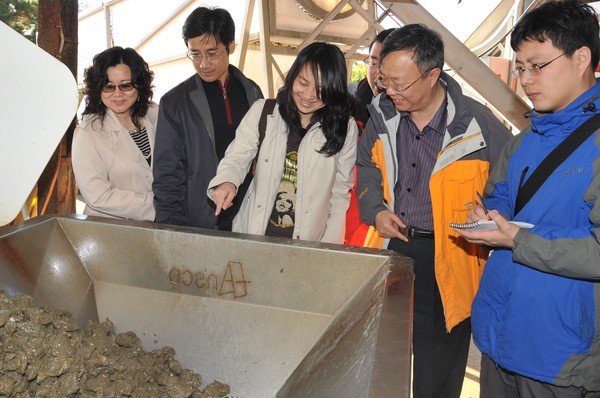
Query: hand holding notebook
{"type": "Point", "coordinates": [485, 225]}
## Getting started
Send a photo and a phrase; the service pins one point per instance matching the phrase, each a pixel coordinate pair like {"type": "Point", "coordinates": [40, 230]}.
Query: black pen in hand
{"type": "Point", "coordinates": [482, 203]}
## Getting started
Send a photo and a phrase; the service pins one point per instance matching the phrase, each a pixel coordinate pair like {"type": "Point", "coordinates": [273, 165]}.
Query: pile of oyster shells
{"type": "Point", "coordinates": [45, 353]}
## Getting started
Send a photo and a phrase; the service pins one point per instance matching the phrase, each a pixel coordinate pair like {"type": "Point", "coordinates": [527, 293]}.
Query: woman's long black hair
{"type": "Point", "coordinates": [328, 66]}
{"type": "Point", "coordinates": [95, 78]}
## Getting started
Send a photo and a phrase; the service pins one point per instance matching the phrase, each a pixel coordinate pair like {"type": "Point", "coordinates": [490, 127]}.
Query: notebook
{"type": "Point", "coordinates": [486, 225]}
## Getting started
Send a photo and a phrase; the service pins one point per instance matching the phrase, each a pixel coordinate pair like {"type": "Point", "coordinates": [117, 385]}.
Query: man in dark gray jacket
{"type": "Point", "coordinates": [197, 121]}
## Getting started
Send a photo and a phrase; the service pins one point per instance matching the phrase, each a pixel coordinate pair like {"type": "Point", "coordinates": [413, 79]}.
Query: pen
{"type": "Point", "coordinates": [482, 203]}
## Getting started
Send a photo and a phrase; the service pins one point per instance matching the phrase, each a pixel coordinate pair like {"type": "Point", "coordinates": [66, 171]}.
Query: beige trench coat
{"type": "Point", "coordinates": [112, 175]}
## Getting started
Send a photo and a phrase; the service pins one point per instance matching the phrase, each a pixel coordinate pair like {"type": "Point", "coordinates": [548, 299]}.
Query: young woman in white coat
{"type": "Point", "coordinates": [112, 146]}
{"type": "Point", "coordinates": [304, 169]}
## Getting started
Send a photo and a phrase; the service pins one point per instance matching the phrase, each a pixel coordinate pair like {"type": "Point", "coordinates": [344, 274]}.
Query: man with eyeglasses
{"type": "Point", "coordinates": [367, 89]}
{"type": "Point", "coordinates": [536, 316]}
{"type": "Point", "coordinates": [426, 151]}
{"type": "Point", "coordinates": [197, 121]}
{"type": "Point", "coordinates": [365, 92]}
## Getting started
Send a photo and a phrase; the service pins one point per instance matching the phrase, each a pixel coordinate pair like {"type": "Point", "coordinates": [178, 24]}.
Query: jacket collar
{"type": "Point", "coordinates": [566, 120]}
{"type": "Point", "coordinates": [111, 132]}
{"type": "Point", "coordinates": [198, 97]}
{"type": "Point", "coordinates": [364, 94]}
{"type": "Point", "coordinates": [459, 116]}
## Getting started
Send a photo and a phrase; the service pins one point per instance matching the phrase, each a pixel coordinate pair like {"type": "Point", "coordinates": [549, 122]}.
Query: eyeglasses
{"type": "Point", "coordinates": [209, 57]}
{"type": "Point", "coordinates": [373, 63]}
{"type": "Point", "coordinates": [533, 70]}
{"type": "Point", "coordinates": [124, 86]}
{"type": "Point", "coordinates": [385, 83]}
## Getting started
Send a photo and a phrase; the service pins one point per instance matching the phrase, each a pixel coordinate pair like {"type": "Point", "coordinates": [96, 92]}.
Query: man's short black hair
{"type": "Point", "coordinates": [214, 21]}
{"type": "Point", "coordinates": [381, 37]}
{"type": "Point", "coordinates": [426, 44]}
{"type": "Point", "coordinates": [569, 25]}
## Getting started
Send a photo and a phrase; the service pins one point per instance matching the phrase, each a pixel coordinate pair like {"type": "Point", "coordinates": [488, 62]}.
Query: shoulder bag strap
{"type": "Point", "coordinates": [268, 108]}
{"type": "Point", "coordinates": [554, 159]}
{"type": "Point", "coordinates": [262, 123]}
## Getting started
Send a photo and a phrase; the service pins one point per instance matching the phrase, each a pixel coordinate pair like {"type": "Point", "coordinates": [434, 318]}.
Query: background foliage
{"type": "Point", "coordinates": [21, 15]}
{"type": "Point", "coordinates": [359, 71]}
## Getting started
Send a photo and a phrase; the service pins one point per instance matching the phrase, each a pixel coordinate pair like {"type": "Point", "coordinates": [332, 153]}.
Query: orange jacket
{"type": "Point", "coordinates": [473, 140]}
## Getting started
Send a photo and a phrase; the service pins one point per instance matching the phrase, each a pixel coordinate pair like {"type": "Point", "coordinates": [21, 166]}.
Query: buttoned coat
{"type": "Point", "coordinates": [324, 182]}
{"type": "Point", "coordinates": [113, 176]}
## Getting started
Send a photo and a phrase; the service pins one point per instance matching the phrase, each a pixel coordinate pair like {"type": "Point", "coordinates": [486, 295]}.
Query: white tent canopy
{"type": "Point", "coordinates": [270, 32]}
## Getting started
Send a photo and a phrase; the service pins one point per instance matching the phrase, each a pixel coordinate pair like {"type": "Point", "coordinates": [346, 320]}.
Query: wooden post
{"type": "Point", "coordinates": [57, 35]}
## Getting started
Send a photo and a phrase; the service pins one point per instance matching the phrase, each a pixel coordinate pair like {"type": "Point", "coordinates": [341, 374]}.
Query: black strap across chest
{"type": "Point", "coordinates": [554, 159]}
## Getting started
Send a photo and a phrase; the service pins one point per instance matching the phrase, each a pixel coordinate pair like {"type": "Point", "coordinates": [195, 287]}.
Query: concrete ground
{"type": "Point", "coordinates": [471, 384]}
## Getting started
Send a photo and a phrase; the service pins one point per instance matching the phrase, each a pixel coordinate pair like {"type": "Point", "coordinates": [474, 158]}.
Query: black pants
{"type": "Point", "coordinates": [499, 383]}
{"type": "Point", "coordinates": [439, 357]}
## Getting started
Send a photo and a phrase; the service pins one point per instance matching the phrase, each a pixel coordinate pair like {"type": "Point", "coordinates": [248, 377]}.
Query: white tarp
{"type": "Point", "coordinates": [38, 100]}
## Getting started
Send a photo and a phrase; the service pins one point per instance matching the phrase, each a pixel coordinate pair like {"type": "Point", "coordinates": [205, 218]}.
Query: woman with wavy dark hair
{"type": "Point", "coordinates": [112, 146]}
{"type": "Point", "coordinates": [307, 155]}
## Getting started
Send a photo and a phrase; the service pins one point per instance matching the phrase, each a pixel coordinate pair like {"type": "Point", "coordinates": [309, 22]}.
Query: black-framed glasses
{"type": "Point", "coordinates": [533, 70]}
{"type": "Point", "coordinates": [210, 56]}
{"type": "Point", "coordinates": [123, 86]}
{"type": "Point", "coordinates": [373, 63]}
{"type": "Point", "coordinates": [385, 83]}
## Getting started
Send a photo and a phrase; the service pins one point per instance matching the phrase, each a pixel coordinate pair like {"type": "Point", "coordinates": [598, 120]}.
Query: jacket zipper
{"type": "Point", "coordinates": [226, 99]}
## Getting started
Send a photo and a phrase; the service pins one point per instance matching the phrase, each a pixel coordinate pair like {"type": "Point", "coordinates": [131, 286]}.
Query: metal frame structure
{"type": "Point", "coordinates": [462, 58]}
{"type": "Point", "coordinates": [459, 56]}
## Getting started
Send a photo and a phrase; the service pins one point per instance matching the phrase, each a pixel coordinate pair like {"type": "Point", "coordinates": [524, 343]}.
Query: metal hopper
{"type": "Point", "coordinates": [269, 317]}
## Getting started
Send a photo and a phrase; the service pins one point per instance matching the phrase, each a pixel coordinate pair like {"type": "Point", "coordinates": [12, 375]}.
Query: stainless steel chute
{"type": "Point", "coordinates": [270, 317]}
